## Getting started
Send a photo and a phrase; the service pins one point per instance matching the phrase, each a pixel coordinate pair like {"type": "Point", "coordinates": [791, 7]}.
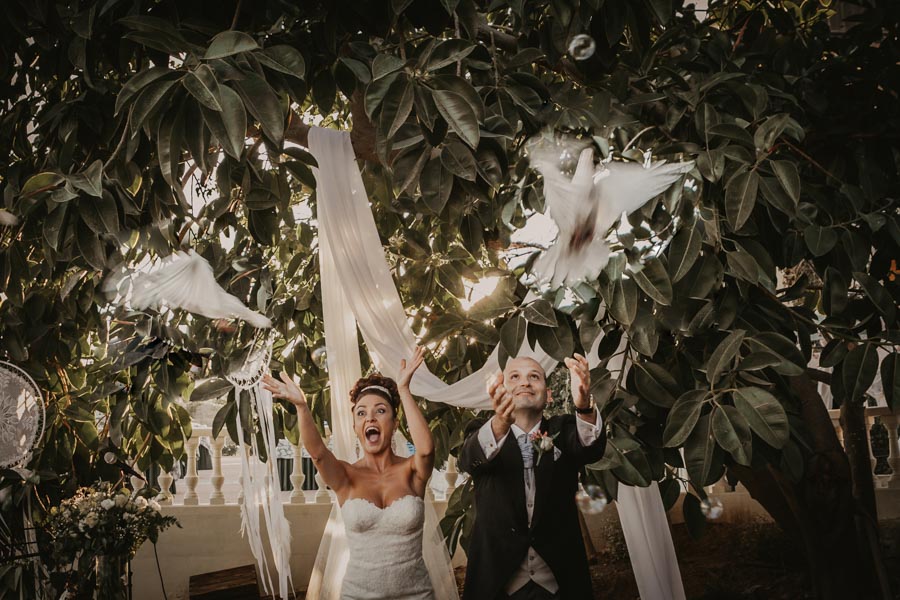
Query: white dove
{"type": "Point", "coordinates": [185, 280]}
{"type": "Point", "coordinates": [585, 205]}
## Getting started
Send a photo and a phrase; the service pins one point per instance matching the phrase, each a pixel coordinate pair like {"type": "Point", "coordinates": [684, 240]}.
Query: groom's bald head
{"type": "Point", "coordinates": [526, 380]}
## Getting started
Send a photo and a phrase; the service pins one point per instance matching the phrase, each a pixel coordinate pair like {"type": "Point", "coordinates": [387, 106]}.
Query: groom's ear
{"type": "Point", "coordinates": [549, 396]}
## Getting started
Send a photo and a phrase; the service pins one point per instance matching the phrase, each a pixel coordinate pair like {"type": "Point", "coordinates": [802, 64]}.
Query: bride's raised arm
{"type": "Point", "coordinates": [423, 459]}
{"type": "Point", "coordinates": [332, 470]}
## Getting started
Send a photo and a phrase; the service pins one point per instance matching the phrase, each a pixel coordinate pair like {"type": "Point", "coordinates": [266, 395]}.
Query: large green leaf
{"type": "Point", "coordinates": [395, 108]}
{"type": "Point", "coordinates": [765, 415]}
{"type": "Point", "coordinates": [699, 451]}
{"type": "Point", "coordinates": [211, 389]}
{"type": "Point", "coordinates": [890, 380]}
{"type": "Point", "coordinates": [284, 59]}
{"type": "Point", "coordinates": [230, 126]}
{"type": "Point", "coordinates": [835, 292]}
{"type": "Point", "coordinates": [377, 89]}
{"type": "Point", "coordinates": [436, 184]}
{"type": "Point", "coordinates": [138, 82]}
{"type": "Point", "coordinates": [229, 43]}
{"type": "Point", "coordinates": [540, 312]}
{"type": "Point", "coordinates": [655, 384]}
{"type": "Point", "coordinates": [622, 300]}
{"type": "Point", "coordinates": [684, 250]}
{"type": "Point", "coordinates": [788, 177]}
{"type": "Point", "coordinates": [459, 115]}
{"type": "Point", "coordinates": [654, 280]}
{"type": "Point", "coordinates": [819, 240]}
{"type": "Point", "coordinates": [879, 296]}
{"type": "Point", "coordinates": [202, 85]}
{"type": "Point", "coordinates": [740, 198]}
{"type": "Point", "coordinates": [512, 334]}
{"type": "Point", "coordinates": [41, 182]}
{"type": "Point", "coordinates": [54, 224]}
{"type": "Point", "coordinates": [775, 343]}
{"type": "Point", "coordinates": [732, 432]}
{"type": "Point", "coordinates": [723, 355]}
{"type": "Point", "coordinates": [859, 370]}
{"type": "Point", "coordinates": [683, 417]}
{"type": "Point", "coordinates": [263, 103]}
{"type": "Point", "coordinates": [448, 52]}
{"type": "Point", "coordinates": [90, 180]}
{"type": "Point", "coordinates": [150, 99]}
{"type": "Point", "coordinates": [458, 159]}
{"type": "Point", "coordinates": [557, 341]}
{"type": "Point", "coordinates": [168, 144]}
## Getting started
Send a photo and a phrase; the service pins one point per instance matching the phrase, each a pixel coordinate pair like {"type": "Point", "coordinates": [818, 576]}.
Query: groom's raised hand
{"type": "Point", "coordinates": [503, 407]}
{"type": "Point", "coordinates": [580, 384]}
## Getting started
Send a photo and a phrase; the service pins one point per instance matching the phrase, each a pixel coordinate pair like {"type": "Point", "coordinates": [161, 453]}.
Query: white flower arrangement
{"type": "Point", "coordinates": [90, 535]}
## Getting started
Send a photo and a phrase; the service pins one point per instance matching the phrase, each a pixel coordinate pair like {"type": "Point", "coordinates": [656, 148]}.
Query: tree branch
{"type": "Point", "coordinates": [362, 135]}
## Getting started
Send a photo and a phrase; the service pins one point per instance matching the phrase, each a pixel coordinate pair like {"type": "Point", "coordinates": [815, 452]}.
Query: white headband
{"type": "Point", "coordinates": [376, 387]}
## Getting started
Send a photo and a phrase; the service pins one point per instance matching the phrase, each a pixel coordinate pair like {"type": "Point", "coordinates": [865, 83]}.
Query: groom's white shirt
{"type": "Point", "coordinates": [533, 567]}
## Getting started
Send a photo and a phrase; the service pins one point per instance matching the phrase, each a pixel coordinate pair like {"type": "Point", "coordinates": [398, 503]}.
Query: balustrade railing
{"type": "Point", "coordinates": [221, 484]}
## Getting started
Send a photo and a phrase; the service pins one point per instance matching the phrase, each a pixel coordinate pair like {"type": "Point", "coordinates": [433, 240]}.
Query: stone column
{"type": "Point", "coordinates": [217, 479]}
{"type": "Point", "coordinates": [322, 495]}
{"type": "Point", "coordinates": [165, 483]}
{"type": "Point", "coordinates": [451, 475]}
{"type": "Point", "coordinates": [870, 422]}
{"type": "Point", "coordinates": [891, 422]}
{"type": "Point", "coordinates": [190, 480]}
{"type": "Point", "coordinates": [297, 476]}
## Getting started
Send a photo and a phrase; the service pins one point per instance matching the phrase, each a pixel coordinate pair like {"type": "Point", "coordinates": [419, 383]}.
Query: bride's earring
{"type": "Point", "coordinates": [393, 444]}
{"type": "Point", "coordinates": [357, 448]}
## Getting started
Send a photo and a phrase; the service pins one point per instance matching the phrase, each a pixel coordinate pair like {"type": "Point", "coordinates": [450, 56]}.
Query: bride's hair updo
{"type": "Point", "coordinates": [371, 385]}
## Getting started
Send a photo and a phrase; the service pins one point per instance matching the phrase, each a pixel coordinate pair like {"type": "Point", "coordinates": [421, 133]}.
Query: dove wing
{"type": "Point", "coordinates": [567, 198]}
{"type": "Point", "coordinates": [624, 187]}
{"type": "Point", "coordinates": [188, 282]}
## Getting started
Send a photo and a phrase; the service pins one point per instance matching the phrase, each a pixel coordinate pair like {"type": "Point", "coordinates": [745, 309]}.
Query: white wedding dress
{"type": "Point", "coordinates": [385, 547]}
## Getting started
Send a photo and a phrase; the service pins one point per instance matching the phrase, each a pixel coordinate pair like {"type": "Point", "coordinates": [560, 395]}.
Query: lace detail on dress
{"type": "Point", "coordinates": [385, 550]}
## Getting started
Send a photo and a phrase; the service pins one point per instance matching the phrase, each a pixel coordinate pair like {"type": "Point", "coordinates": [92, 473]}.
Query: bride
{"type": "Point", "coordinates": [381, 494]}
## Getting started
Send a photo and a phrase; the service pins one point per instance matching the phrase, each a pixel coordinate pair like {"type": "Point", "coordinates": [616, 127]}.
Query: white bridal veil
{"type": "Point", "coordinates": [358, 291]}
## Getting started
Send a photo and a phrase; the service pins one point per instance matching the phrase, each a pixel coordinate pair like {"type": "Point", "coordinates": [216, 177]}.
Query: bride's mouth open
{"type": "Point", "coordinates": [373, 435]}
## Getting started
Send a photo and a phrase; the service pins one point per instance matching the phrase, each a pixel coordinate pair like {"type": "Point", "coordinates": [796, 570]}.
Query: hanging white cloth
{"type": "Point", "coordinates": [357, 289]}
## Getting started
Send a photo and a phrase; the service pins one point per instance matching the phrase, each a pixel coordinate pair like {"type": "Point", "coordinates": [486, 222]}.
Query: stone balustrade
{"type": "Point", "coordinates": [221, 484]}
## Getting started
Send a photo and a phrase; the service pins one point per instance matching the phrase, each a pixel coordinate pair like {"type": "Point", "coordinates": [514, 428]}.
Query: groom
{"type": "Point", "coordinates": [526, 541]}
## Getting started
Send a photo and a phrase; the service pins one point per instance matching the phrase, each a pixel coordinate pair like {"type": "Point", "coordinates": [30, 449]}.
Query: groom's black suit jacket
{"type": "Point", "coordinates": [501, 535]}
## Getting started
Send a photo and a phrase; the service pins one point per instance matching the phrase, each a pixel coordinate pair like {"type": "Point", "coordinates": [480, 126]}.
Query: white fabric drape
{"type": "Point", "coordinates": [357, 289]}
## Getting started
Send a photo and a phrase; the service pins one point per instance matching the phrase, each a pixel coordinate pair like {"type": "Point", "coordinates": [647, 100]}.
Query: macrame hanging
{"type": "Point", "coordinates": [259, 480]}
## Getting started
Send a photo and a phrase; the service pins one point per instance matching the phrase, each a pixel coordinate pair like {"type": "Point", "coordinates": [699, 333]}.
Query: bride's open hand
{"type": "Point", "coordinates": [286, 388]}
{"type": "Point", "coordinates": [408, 367]}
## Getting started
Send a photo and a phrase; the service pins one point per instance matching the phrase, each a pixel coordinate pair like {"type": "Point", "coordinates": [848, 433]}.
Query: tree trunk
{"type": "Point", "coordinates": [819, 510]}
{"type": "Point", "coordinates": [856, 439]}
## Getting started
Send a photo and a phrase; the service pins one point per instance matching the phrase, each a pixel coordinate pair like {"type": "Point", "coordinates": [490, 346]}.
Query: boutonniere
{"type": "Point", "coordinates": [542, 442]}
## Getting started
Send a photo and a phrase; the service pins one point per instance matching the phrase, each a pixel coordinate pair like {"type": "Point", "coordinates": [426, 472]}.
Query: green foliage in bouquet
{"type": "Point", "coordinates": [89, 537]}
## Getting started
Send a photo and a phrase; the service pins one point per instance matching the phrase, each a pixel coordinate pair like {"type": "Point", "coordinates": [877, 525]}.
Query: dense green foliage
{"type": "Point", "coordinates": [112, 109]}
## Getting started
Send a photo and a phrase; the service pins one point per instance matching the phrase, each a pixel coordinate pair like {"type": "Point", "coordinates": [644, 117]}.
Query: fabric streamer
{"type": "Point", "coordinates": [364, 295]}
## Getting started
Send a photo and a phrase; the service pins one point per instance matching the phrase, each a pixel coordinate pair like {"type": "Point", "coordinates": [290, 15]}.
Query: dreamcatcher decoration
{"type": "Point", "coordinates": [186, 281]}
{"type": "Point", "coordinates": [21, 416]}
{"type": "Point", "coordinates": [21, 428]}
{"type": "Point", "coordinates": [585, 199]}
{"type": "Point", "coordinates": [259, 481]}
